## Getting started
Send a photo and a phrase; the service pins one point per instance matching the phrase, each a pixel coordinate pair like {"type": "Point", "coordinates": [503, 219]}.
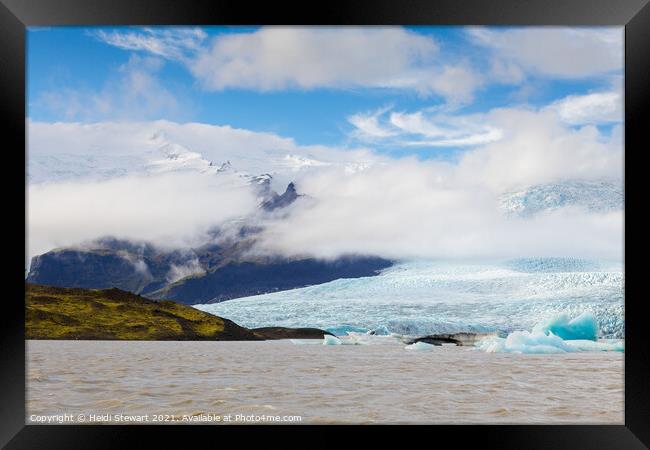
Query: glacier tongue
{"type": "Point", "coordinates": [592, 196]}
{"type": "Point", "coordinates": [420, 298]}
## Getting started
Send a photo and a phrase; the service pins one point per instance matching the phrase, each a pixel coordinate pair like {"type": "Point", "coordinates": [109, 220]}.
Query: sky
{"type": "Point", "coordinates": [440, 114]}
{"type": "Point", "coordinates": [322, 86]}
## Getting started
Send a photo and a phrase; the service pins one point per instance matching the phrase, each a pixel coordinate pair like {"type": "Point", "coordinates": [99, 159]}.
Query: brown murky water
{"type": "Point", "coordinates": [262, 382]}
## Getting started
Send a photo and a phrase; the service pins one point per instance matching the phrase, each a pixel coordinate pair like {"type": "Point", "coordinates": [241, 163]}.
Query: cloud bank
{"type": "Point", "coordinates": [172, 210]}
{"type": "Point", "coordinates": [552, 51]}
{"type": "Point", "coordinates": [410, 210]}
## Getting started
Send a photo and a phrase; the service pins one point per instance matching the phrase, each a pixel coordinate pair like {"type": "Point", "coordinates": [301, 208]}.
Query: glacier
{"type": "Point", "coordinates": [589, 195]}
{"type": "Point", "coordinates": [427, 297]}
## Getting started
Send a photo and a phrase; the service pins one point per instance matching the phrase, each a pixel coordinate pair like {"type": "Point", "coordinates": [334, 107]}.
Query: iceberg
{"type": "Point", "coordinates": [419, 346]}
{"type": "Point", "coordinates": [331, 340]}
{"type": "Point", "coordinates": [583, 327]}
{"type": "Point", "coordinates": [525, 342]}
{"type": "Point", "coordinates": [556, 335]}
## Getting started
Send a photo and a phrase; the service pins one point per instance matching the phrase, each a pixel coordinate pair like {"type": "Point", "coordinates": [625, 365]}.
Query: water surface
{"type": "Point", "coordinates": [376, 383]}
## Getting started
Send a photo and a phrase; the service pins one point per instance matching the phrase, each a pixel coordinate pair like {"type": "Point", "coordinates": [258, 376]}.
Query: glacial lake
{"type": "Point", "coordinates": [263, 382]}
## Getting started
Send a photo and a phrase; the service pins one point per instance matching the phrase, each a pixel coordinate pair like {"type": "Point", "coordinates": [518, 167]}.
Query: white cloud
{"type": "Point", "coordinates": [279, 58]}
{"type": "Point", "coordinates": [505, 72]}
{"type": "Point", "coordinates": [537, 147]}
{"type": "Point", "coordinates": [456, 83]}
{"type": "Point", "coordinates": [169, 209]}
{"type": "Point", "coordinates": [594, 108]}
{"type": "Point", "coordinates": [411, 209]}
{"type": "Point", "coordinates": [367, 126]}
{"type": "Point", "coordinates": [422, 129]}
{"type": "Point", "coordinates": [176, 43]}
{"type": "Point", "coordinates": [176, 272]}
{"type": "Point", "coordinates": [553, 51]}
{"type": "Point", "coordinates": [273, 58]}
{"type": "Point", "coordinates": [135, 93]}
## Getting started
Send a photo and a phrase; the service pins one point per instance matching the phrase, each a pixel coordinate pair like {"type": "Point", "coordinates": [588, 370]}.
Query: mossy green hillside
{"type": "Point", "coordinates": [113, 314]}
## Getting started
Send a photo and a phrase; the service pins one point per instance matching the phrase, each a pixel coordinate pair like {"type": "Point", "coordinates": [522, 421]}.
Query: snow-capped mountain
{"type": "Point", "coordinates": [70, 152]}
{"type": "Point", "coordinates": [592, 196]}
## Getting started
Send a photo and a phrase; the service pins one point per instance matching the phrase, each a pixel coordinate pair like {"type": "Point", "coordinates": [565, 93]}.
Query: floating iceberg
{"type": "Point", "coordinates": [525, 342]}
{"type": "Point", "coordinates": [331, 340]}
{"type": "Point", "coordinates": [419, 346]}
{"type": "Point", "coordinates": [556, 335]}
{"type": "Point", "coordinates": [582, 327]}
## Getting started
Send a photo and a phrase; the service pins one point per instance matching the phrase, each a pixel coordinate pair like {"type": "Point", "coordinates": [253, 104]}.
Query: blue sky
{"type": "Point", "coordinates": [81, 74]}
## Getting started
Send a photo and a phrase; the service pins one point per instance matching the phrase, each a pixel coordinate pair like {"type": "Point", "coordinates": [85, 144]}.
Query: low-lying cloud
{"type": "Point", "coordinates": [413, 210]}
{"type": "Point", "coordinates": [174, 210]}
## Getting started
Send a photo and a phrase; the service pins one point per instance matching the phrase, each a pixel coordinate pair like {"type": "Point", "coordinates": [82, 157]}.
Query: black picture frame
{"type": "Point", "coordinates": [16, 15]}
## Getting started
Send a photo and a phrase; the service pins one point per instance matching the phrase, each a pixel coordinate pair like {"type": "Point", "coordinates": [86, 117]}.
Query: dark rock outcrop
{"type": "Point", "coordinates": [271, 333]}
{"type": "Point", "coordinates": [276, 201]}
{"type": "Point", "coordinates": [463, 339]}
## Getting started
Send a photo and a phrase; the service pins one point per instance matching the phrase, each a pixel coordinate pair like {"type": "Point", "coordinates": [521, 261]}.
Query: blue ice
{"type": "Point", "coordinates": [556, 335]}
{"type": "Point", "coordinates": [331, 340]}
{"type": "Point", "coordinates": [582, 327]}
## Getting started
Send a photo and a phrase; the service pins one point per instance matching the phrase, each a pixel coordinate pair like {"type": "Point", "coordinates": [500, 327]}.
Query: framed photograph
{"type": "Point", "coordinates": [361, 213]}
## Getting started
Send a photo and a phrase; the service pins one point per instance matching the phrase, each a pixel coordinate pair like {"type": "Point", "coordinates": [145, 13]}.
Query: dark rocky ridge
{"type": "Point", "coordinates": [243, 279]}
{"type": "Point", "coordinates": [225, 273]}
{"type": "Point", "coordinates": [276, 201]}
{"type": "Point", "coordinates": [290, 333]}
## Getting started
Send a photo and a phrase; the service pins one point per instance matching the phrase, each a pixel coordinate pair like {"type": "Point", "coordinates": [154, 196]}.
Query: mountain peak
{"type": "Point", "coordinates": [225, 166]}
{"type": "Point", "coordinates": [280, 201]}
